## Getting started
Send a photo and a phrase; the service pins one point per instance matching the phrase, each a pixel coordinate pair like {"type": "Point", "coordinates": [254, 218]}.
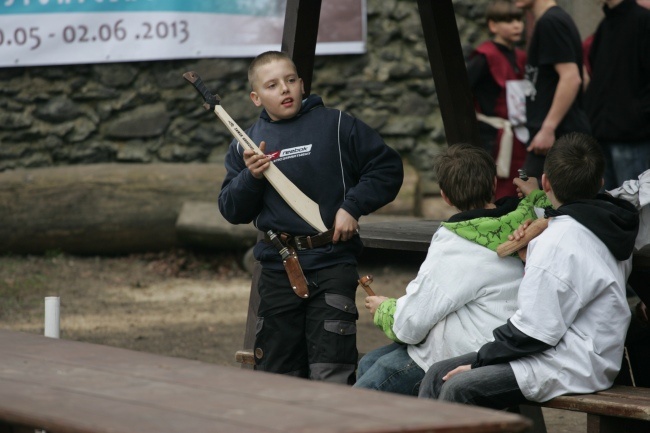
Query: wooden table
{"type": "Point", "coordinates": [68, 386]}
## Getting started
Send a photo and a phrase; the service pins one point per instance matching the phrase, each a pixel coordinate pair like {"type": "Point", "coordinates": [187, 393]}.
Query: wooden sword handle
{"type": "Point", "coordinates": [531, 232]}
{"type": "Point", "coordinates": [365, 283]}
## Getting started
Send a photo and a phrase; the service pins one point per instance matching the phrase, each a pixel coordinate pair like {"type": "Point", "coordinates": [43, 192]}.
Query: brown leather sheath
{"type": "Point", "coordinates": [294, 272]}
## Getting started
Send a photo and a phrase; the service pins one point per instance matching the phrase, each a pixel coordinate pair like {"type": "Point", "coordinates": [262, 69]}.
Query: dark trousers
{"type": "Point", "coordinates": [315, 337]}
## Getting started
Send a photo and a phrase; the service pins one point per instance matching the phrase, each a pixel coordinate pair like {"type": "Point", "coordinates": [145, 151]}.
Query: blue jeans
{"type": "Point", "coordinates": [625, 161]}
{"type": "Point", "coordinates": [390, 369]}
{"type": "Point", "coordinates": [492, 386]}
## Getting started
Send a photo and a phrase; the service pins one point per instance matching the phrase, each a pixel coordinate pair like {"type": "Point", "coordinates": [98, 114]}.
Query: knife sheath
{"type": "Point", "coordinates": [291, 265]}
{"type": "Point", "coordinates": [295, 274]}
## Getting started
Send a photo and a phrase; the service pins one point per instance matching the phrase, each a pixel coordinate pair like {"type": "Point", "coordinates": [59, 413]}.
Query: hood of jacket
{"type": "Point", "coordinates": [614, 221]}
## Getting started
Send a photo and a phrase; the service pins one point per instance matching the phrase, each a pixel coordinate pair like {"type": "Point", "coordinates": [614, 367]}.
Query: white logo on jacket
{"type": "Point", "coordinates": [295, 152]}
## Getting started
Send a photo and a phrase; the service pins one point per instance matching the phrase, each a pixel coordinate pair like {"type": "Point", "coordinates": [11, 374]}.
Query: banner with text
{"type": "Point", "coordinates": [61, 32]}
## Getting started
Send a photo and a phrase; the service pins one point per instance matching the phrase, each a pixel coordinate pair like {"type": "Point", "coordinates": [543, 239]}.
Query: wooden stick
{"type": "Point", "coordinates": [365, 283]}
{"type": "Point", "coordinates": [532, 231]}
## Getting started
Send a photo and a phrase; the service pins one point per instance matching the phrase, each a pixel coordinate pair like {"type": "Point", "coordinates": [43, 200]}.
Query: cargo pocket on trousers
{"type": "Point", "coordinates": [342, 342]}
{"type": "Point", "coordinates": [342, 303]}
{"type": "Point", "coordinates": [341, 327]}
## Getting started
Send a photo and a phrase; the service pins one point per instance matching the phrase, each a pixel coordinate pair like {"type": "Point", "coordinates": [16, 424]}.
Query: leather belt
{"type": "Point", "coordinates": [301, 243]}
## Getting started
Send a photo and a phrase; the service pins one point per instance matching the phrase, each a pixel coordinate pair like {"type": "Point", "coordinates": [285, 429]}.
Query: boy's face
{"type": "Point", "coordinates": [507, 32]}
{"type": "Point", "coordinates": [278, 89]}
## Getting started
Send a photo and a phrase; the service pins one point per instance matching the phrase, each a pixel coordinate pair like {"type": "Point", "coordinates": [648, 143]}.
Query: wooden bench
{"type": "Point", "coordinates": [65, 386]}
{"type": "Point", "coordinates": [618, 409]}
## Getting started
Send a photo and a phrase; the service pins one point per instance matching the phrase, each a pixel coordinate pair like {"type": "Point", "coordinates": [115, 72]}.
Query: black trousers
{"type": "Point", "coordinates": [312, 338]}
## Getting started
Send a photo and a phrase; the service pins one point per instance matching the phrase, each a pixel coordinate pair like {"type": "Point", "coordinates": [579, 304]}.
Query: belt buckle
{"type": "Point", "coordinates": [297, 240]}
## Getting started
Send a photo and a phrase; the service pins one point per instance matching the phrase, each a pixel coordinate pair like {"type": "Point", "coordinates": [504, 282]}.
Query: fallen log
{"type": "Point", "coordinates": [100, 209]}
{"type": "Point", "coordinates": [200, 224]}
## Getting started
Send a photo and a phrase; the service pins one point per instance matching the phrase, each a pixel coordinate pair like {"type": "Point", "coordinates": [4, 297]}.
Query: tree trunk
{"type": "Point", "coordinates": [100, 209]}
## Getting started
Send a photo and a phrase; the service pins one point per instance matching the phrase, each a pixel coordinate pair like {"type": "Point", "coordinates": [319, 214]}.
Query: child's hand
{"type": "Point", "coordinates": [525, 187]}
{"type": "Point", "coordinates": [373, 302]}
{"type": "Point", "coordinates": [455, 371]}
{"type": "Point", "coordinates": [345, 226]}
{"type": "Point", "coordinates": [542, 141]}
{"type": "Point", "coordinates": [257, 164]}
{"type": "Point", "coordinates": [519, 232]}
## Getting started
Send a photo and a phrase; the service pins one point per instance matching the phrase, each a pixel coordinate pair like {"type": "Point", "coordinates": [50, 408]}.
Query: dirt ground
{"type": "Point", "coordinates": [178, 303]}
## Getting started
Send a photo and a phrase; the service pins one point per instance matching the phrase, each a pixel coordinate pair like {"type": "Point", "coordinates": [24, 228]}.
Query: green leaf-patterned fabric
{"type": "Point", "coordinates": [385, 317]}
{"type": "Point", "coordinates": [491, 232]}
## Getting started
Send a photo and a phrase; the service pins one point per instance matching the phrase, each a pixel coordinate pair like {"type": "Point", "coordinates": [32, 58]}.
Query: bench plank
{"type": "Point", "coordinates": [399, 235]}
{"type": "Point", "coordinates": [611, 409]}
{"type": "Point", "coordinates": [603, 405]}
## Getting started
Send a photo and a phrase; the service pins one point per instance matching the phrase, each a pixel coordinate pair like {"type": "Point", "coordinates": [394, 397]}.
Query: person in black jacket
{"type": "Point", "coordinates": [346, 168]}
{"type": "Point", "coordinates": [618, 96]}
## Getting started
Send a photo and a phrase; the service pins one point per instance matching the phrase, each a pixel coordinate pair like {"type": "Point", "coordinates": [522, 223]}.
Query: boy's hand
{"type": "Point", "coordinates": [542, 141]}
{"type": "Point", "coordinates": [345, 226]}
{"type": "Point", "coordinates": [456, 370]}
{"type": "Point", "coordinates": [373, 302]}
{"type": "Point", "coordinates": [257, 164]}
{"type": "Point", "coordinates": [525, 187]}
{"type": "Point", "coordinates": [517, 235]}
{"type": "Point", "coordinates": [519, 232]}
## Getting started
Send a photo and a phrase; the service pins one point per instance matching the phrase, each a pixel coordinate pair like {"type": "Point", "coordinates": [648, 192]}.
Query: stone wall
{"type": "Point", "coordinates": [145, 112]}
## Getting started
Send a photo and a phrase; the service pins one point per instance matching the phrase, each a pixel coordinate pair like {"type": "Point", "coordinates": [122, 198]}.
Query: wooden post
{"type": "Point", "coordinates": [251, 318]}
{"type": "Point", "coordinates": [299, 36]}
{"type": "Point", "coordinates": [449, 72]}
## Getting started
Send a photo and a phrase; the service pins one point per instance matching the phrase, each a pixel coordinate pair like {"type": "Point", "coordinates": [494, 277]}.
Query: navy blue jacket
{"type": "Point", "coordinates": [335, 159]}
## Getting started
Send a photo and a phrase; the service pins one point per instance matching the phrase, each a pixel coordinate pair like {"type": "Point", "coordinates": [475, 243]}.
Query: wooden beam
{"type": "Point", "coordinates": [253, 307]}
{"type": "Point", "coordinates": [449, 72]}
{"type": "Point", "coordinates": [299, 36]}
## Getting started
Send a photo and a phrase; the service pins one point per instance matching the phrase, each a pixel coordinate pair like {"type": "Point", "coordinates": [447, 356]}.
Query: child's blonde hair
{"type": "Point", "coordinates": [263, 59]}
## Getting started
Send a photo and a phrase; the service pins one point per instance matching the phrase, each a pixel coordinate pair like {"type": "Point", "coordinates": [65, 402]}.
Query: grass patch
{"type": "Point", "coordinates": [19, 290]}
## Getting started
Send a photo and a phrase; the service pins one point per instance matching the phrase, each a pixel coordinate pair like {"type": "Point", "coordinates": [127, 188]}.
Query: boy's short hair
{"type": "Point", "coordinates": [263, 59]}
{"type": "Point", "coordinates": [574, 167]}
{"type": "Point", "coordinates": [503, 11]}
{"type": "Point", "coordinates": [466, 175]}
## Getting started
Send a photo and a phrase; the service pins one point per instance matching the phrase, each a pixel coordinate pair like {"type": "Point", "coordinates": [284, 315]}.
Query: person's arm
{"type": "Point", "coordinates": [429, 297]}
{"type": "Point", "coordinates": [240, 199]}
{"type": "Point", "coordinates": [377, 167]}
{"type": "Point", "coordinates": [509, 344]}
{"type": "Point", "coordinates": [384, 314]}
{"type": "Point", "coordinates": [566, 91]}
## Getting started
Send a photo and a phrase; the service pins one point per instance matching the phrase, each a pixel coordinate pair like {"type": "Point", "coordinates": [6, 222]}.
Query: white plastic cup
{"type": "Point", "coordinates": [52, 321]}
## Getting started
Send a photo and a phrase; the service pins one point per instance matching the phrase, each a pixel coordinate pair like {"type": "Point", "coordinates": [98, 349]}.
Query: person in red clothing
{"type": "Point", "coordinates": [495, 71]}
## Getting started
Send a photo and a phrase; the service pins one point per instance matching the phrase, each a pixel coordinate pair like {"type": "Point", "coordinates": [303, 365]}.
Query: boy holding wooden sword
{"type": "Point", "coordinates": [338, 162]}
